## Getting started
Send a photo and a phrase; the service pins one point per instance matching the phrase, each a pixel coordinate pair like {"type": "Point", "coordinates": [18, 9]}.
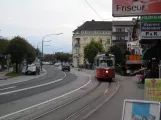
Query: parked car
{"type": "Point", "coordinates": [66, 67]}
{"type": "Point", "coordinates": [57, 64]}
{"type": "Point", "coordinates": [31, 69]}
{"type": "Point", "coordinates": [46, 63]}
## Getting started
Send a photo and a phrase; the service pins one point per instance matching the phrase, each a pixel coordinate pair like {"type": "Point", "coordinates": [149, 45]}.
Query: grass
{"type": "Point", "coordinates": [13, 74]}
{"type": "Point", "coordinates": [140, 86]}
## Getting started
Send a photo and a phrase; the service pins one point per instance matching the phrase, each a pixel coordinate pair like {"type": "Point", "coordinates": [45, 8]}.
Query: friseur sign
{"type": "Point", "coordinates": [122, 8]}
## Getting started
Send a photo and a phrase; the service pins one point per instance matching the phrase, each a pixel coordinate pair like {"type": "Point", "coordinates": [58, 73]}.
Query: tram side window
{"type": "Point", "coordinates": [97, 62]}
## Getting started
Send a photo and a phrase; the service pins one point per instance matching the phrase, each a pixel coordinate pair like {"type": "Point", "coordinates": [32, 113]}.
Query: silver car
{"type": "Point", "coordinates": [31, 69]}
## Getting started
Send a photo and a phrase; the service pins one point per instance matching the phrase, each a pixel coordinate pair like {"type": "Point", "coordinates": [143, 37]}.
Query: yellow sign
{"type": "Point", "coordinates": [153, 89]}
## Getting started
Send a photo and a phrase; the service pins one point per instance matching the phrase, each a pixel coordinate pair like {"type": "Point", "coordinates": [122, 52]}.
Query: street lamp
{"type": "Point", "coordinates": [47, 41]}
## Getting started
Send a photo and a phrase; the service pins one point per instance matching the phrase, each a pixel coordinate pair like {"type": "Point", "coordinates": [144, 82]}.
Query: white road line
{"type": "Point", "coordinates": [14, 91]}
{"type": "Point", "coordinates": [38, 76]}
{"type": "Point", "coordinates": [34, 106]}
{"type": "Point", "coordinates": [8, 88]}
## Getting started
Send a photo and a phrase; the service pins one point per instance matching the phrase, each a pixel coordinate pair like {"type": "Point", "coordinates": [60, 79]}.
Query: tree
{"type": "Point", "coordinates": [3, 46]}
{"type": "Point", "coordinates": [49, 57]}
{"type": "Point", "coordinates": [63, 56]}
{"type": "Point", "coordinates": [18, 49]}
{"type": "Point", "coordinates": [116, 51]}
{"type": "Point", "coordinates": [31, 53]}
{"type": "Point", "coordinates": [38, 52]}
{"type": "Point", "coordinates": [92, 49]}
{"type": "Point", "coordinates": [127, 52]}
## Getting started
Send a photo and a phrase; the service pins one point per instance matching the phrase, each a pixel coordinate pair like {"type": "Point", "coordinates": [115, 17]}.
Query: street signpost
{"type": "Point", "coordinates": [151, 27]}
{"type": "Point", "coordinates": [141, 110]}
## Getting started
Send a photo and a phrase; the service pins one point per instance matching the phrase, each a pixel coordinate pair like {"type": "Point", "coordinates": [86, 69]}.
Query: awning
{"type": "Point", "coordinates": [149, 53]}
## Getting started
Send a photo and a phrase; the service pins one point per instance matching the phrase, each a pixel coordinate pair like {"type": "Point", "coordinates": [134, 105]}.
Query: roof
{"type": "Point", "coordinates": [95, 25]}
{"type": "Point", "coordinates": [122, 23]}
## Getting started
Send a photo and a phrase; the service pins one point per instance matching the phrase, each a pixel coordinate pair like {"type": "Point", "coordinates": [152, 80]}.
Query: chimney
{"type": "Point", "coordinates": [92, 20]}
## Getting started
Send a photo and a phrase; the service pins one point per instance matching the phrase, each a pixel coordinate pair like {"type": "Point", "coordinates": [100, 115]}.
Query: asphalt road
{"type": "Point", "coordinates": [112, 110]}
{"type": "Point", "coordinates": [67, 110]}
{"type": "Point", "coordinates": [17, 91]}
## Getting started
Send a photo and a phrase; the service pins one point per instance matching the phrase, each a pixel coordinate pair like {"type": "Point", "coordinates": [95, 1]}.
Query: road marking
{"type": "Point", "coordinates": [105, 92]}
{"type": "Point", "coordinates": [38, 76]}
{"type": "Point", "coordinates": [14, 91]}
{"type": "Point", "coordinates": [8, 88]}
{"type": "Point", "coordinates": [34, 106]}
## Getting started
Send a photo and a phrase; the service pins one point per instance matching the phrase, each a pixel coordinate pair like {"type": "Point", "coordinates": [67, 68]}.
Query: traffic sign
{"type": "Point", "coordinates": [151, 18]}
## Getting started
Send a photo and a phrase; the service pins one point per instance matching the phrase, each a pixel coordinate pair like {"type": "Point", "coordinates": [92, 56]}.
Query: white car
{"type": "Point", "coordinates": [31, 69]}
{"type": "Point", "coordinates": [57, 64]}
{"type": "Point", "coordinates": [46, 63]}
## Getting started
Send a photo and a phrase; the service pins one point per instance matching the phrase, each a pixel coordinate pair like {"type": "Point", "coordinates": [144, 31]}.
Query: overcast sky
{"type": "Point", "coordinates": [33, 19]}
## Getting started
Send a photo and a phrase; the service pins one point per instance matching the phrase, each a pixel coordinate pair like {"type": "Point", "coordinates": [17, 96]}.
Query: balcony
{"type": "Point", "coordinates": [121, 34]}
{"type": "Point", "coordinates": [119, 41]}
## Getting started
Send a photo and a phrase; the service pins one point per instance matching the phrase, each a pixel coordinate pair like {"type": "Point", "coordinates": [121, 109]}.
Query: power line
{"type": "Point", "coordinates": [93, 10]}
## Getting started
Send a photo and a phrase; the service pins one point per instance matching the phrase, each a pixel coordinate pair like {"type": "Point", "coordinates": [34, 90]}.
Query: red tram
{"type": "Point", "coordinates": [104, 66]}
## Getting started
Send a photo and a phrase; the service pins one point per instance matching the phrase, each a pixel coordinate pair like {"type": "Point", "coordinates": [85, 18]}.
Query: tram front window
{"type": "Point", "coordinates": [106, 63]}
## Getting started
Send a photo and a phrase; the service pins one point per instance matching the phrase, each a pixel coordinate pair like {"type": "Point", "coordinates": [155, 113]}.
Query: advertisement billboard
{"type": "Point", "coordinates": [151, 27]}
{"type": "Point", "coordinates": [153, 89]}
{"type": "Point", "coordinates": [141, 110]}
{"type": "Point", "coordinates": [125, 8]}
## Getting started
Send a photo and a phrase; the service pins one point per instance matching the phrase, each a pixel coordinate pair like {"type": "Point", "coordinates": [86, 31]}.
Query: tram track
{"type": "Point", "coordinates": [78, 99]}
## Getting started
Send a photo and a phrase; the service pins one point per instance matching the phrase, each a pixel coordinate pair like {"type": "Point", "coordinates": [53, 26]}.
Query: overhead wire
{"type": "Point", "coordinates": [94, 10]}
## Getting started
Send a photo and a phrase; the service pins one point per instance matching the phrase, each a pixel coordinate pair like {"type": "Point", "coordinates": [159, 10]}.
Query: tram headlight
{"type": "Point", "coordinates": [106, 71]}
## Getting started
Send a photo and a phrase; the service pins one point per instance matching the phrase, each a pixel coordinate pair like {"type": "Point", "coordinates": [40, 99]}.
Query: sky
{"type": "Point", "coordinates": [33, 19]}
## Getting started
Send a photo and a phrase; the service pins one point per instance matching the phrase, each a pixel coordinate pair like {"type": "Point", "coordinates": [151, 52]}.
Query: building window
{"type": "Point", "coordinates": [78, 40]}
{"type": "Point", "coordinates": [120, 38]}
{"type": "Point", "coordinates": [100, 40]}
{"type": "Point", "coordinates": [120, 29]}
{"type": "Point", "coordinates": [108, 42]}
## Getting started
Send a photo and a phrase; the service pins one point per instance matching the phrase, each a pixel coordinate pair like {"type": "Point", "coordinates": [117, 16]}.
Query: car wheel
{"type": "Point", "coordinates": [34, 73]}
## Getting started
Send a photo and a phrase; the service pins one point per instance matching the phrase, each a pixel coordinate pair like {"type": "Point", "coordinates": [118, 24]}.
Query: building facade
{"type": "Point", "coordinates": [90, 30]}
{"type": "Point", "coordinates": [108, 33]}
{"type": "Point", "coordinates": [121, 33]}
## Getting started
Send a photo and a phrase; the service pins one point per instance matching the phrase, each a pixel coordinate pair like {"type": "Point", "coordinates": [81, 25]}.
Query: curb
{"type": "Point", "coordinates": [100, 105]}
{"type": "Point", "coordinates": [41, 75]}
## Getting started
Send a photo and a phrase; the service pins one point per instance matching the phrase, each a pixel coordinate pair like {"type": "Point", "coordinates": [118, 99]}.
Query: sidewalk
{"type": "Point", "coordinates": [5, 80]}
{"type": "Point", "coordinates": [112, 110]}
{"type": "Point", "coordinates": [4, 72]}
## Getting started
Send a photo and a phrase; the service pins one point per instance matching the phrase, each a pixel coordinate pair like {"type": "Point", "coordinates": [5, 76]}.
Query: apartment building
{"type": "Point", "coordinates": [90, 30]}
{"type": "Point", "coordinates": [122, 33]}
